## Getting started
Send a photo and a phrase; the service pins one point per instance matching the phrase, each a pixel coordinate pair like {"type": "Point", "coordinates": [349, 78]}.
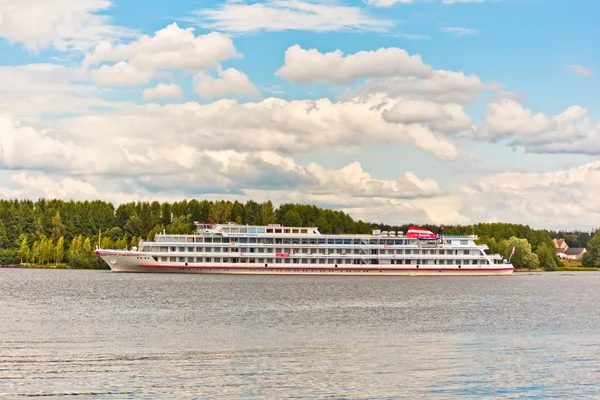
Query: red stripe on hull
{"type": "Point", "coordinates": [319, 269]}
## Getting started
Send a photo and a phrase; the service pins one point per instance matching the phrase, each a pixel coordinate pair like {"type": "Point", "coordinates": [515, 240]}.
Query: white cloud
{"type": "Point", "coordinates": [458, 31]}
{"type": "Point", "coordinates": [34, 89]}
{"type": "Point", "coordinates": [556, 199]}
{"type": "Point", "coordinates": [63, 24]}
{"type": "Point", "coordinates": [162, 91]}
{"type": "Point", "coordinates": [230, 82]}
{"type": "Point", "coordinates": [120, 74]}
{"type": "Point", "coordinates": [447, 118]}
{"type": "Point", "coordinates": [441, 87]}
{"type": "Point", "coordinates": [308, 66]}
{"type": "Point", "coordinates": [580, 70]}
{"type": "Point", "coordinates": [508, 117]}
{"type": "Point", "coordinates": [132, 140]}
{"type": "Point", "coordinates": [279, 15]}
{"type": "Point", "coordinates": [568, 132]}
{"type": "Point", "coordinates": [171, 47]}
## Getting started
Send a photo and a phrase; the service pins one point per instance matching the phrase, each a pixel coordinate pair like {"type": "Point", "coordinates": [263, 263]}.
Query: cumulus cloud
{"type": "Point", "coordinates": [62, 24]}
{"type": "Point", "coordinates": [230, 82]}
{"type": "Point", "coordinates": [447, 118]}
{"type": "Point", "coordinates": [132, 141]}
{"type": "Point", "coordinates": [441, 87]}
{"type": "Point", "coordinates": [555, 199]}
{"type": "Point", "coordinates": [120, 74]}
{"type": "Point", "coordinates": [279, 15]}
{"type": "Point", "coordinates": [32, 89]}
{"type": "Point", "coordinates": [171, 47]}
{"type": "Point", "coordinates": [568, 132]}
{"type": "Point", "coordinates": [308, 66]}
{"type": "Point", "coordinates": [162, 91]}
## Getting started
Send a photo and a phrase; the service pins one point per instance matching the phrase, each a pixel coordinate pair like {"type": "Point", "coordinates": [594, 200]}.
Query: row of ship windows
{"type": "Point", "coordinates": [156, 249]}
{"type": "Point", "coordinates": [306, 241]}
{"type": "Point", "coordinates": [318, 261]}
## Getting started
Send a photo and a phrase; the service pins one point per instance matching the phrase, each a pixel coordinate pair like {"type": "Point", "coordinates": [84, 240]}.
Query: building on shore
{"type": "Point", "coordinates": [565, 252]}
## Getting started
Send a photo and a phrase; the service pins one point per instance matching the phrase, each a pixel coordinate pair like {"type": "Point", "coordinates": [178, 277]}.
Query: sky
{"type": "Point", "coordinates": [394, 111]}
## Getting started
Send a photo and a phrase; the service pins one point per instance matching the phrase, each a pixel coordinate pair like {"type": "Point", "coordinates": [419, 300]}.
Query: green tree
{"type": "Point", "coordinates": [4, 241]}
{"type": "Point", "coordinates": [292, 218]}
{"type": "Point", "coordinates": [58, 228]}
{"type": "Point", "coordinates": [220, 212]}
{"type": "Point", "coordinates": [24, 249]}
{"type": "Point", "coordinates": [546, 256]}
{"type": "Point", "coordinates": [60, 249]}
{"type": "Point", "coordinates": [592, 257]}
{"type": "Point", "coordinates": [323, 225]}
{"type": "Point", "coordinates": [523, 256]}
{"type": "Point", "coordinates": [266, 214]}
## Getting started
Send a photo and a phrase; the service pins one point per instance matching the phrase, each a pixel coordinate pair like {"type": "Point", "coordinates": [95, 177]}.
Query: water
{"type": "Point", "coordinates": [95, 333]}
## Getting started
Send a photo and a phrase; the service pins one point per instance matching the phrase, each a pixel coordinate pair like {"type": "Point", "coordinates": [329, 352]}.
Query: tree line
{"type": "Point", "coordinates": [55, 231]}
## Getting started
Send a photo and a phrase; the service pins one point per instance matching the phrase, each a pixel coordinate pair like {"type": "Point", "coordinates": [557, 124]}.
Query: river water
{"type": "Point", "coordinates": [96, 333]}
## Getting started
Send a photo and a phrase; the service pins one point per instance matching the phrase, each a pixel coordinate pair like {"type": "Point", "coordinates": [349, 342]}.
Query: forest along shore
{"type": "Point", "coordinates": [56, 232]}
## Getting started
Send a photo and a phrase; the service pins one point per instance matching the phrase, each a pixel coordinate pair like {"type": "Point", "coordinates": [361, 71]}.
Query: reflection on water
{"type": "Point", "coordinates": [112, 335]}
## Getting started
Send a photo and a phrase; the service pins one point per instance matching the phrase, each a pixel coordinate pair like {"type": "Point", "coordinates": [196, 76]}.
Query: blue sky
{"type": "Point", "coordinates": [497, 120]}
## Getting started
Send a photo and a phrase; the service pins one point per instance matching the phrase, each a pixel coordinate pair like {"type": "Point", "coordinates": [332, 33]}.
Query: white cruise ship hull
{"type": "Point", "coordinates": [131, 261]}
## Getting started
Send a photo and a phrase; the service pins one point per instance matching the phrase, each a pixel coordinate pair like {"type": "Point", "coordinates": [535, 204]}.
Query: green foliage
{"type": "Point", "coordinates": [592, 257]}
{"type": "Point", "coordinates": [547, 257]}
{"type": "Point", "coordinates": [523, 257]}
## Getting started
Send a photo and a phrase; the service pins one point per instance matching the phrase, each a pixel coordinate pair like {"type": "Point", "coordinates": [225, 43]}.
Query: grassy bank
{"type": "Point", "coordinates": [575, 268]}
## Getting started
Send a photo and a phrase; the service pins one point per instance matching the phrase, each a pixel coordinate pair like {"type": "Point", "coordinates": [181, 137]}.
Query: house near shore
{"type": "Point", "coordinates": [565, 252]}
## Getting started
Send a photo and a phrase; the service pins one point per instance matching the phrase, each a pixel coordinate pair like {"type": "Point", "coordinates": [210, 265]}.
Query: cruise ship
{"type": "Point", "coordinates": [279, 250]}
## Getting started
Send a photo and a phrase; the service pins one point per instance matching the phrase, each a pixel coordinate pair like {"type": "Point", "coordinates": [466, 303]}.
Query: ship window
{"type": "Point", "coordinates": [190, 249]}
{"type": "Point", "coordinates": [295, 241]}
{"type": "Point", "coordinates": [243, 240]}
{"type": "Point", "coordinates": [304, 241]}
{"type": "Point", "coordinates": [295, 231]}
{"type": "Point", "coordinates": [235, 230]}
{"type": "Point", "coordinates": [278, 261]}
{"type": "Point", "coordinates": [252, 240]}
{"type": "Point", "coordinates": [260, 230]}
{"type": "Point", "coordinates": [356, 241]}
{"type": "Point", "coordinates": [261, 260]}
{"type": "Point", "coordinates": [252, 260]}
{"type": "Point", "coordinates": [303, 230]}
{"type": "Point", "coordinates": [190, 259]}
{"type": "Point", "coordinates": [269, 230]}
{"type": "Point", "coordinates": [474, 262]}
{"type": "Point", "coordinates": [287, 261]}
{"type": "Point", "coordinates": [251, 230]}
{"type": "Point", "coordinates": [277, 230]}
{"type": "Point", "coordinates": [330, 241]}
{"type": "Point", "coordinates": [390, 241]}
{"type": "Point", "coordinates": [374, 241]}
{"type": "Point", "coordinates": [464, 242]}
{"type": "Point", "coordinates": [243, 230]}
{"type": "Point", "coordinates": [225, 230]}
{"type": "Point", "coordinates": [208, 240]}
{"type": "Point", "coordinates": [217, 240]}
{"type": "Point", "coordinates": [198, 240]}
{"type": "Point", "coordinates": [286, 231]}
{"type": "Point", "coordinates": [322, 241]}
{"type": "Point", "coordinates": [339, 241]}
{"type": "Point", "coordinates": [347, 241]}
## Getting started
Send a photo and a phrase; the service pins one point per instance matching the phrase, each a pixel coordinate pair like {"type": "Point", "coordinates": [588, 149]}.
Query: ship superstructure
{"type": "Point", "coordinates": [274, 249]}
